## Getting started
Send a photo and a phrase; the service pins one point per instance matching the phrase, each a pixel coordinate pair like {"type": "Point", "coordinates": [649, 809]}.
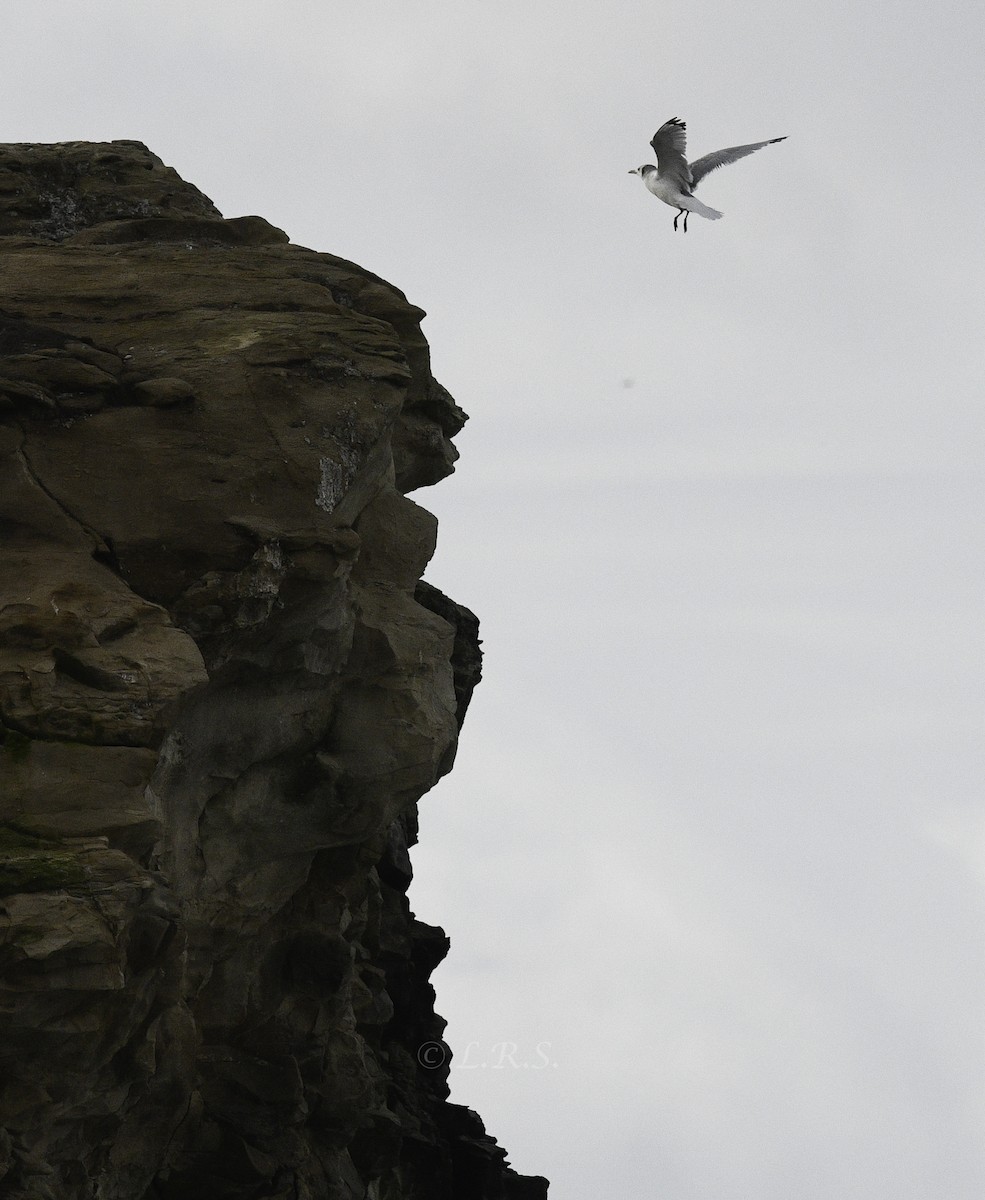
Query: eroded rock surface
{"type": "Point", "coordinates": [223, 690]}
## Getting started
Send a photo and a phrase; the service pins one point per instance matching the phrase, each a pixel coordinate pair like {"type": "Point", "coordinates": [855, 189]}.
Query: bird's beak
{"type": "Point", "coordinates": [635, 171]}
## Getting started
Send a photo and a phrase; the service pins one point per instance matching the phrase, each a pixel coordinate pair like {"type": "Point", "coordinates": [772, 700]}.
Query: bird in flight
{"type": "Point", "coordinates": [674, 179]}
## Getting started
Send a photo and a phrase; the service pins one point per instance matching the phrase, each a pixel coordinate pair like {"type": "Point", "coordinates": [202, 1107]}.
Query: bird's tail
{"type": "Point", "coordinates": [695, 206]}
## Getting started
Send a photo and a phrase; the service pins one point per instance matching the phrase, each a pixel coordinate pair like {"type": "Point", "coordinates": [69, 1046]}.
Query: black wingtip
{"type": "Point", "coordinates": [676, 122]}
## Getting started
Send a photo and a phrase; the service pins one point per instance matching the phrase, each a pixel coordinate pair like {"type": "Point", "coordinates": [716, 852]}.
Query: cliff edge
{"type": "Point", "coordinates": [223, 689]}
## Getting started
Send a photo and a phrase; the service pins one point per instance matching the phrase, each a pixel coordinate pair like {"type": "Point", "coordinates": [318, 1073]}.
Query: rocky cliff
{"type": "Point", "coordinates": [223, 689]}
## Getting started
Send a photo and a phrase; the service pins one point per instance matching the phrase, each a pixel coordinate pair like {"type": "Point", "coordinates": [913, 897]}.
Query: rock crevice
{"type": "Point", "coordinates": [224, 687]}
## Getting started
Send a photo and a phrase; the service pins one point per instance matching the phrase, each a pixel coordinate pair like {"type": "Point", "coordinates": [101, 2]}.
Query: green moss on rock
{"type": "Point", "coordinates": [29, 863]}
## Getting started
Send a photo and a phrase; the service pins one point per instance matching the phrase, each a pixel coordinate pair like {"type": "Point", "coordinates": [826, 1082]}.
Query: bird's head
{"type": "Point", "coordinates": [642, 171]}
{"type": "Point", "coordinates": [636, 171]}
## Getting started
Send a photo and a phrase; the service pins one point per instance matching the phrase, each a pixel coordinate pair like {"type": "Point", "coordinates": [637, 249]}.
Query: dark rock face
{"type": "Point", "coordinates": [223, 690]}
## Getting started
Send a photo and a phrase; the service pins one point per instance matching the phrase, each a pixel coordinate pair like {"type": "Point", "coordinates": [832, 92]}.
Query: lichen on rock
{"type": "Point", "coordinates": [224, 687]}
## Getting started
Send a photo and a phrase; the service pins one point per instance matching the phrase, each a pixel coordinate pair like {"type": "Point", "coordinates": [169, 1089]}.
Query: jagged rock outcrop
{"type": "Point", "coordinates": [223, 689]}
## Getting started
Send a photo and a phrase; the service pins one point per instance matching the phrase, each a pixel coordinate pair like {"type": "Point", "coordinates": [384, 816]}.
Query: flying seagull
{"type": "Point", "coordinates": [674, 179]}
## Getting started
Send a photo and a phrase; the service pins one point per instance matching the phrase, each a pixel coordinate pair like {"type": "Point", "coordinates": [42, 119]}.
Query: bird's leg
{"type": "Point", "coordinates": [677, 218]}
{"type": "Point", "coordinates": [686, 215]}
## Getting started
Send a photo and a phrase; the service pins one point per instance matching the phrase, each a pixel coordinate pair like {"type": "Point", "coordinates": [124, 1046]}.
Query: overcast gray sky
{"type": "Point", "coordinates": [714, 848]}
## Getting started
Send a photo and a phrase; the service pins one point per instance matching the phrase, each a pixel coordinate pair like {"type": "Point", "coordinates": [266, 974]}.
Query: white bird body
{"type": "Point", "coordinates": [674, 179]}
{"type": "Point", "coordinates": [669, 191]}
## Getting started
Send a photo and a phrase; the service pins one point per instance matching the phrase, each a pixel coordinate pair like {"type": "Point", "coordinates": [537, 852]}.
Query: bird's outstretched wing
{"type": "Point", "coordinates": [670, 146]}
{"type": "Point", "coordinates": [721, 158]}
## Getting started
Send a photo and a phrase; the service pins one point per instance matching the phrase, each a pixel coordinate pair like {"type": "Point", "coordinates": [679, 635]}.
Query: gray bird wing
{"type": "Point", "coordinates": [721, 158]}
{"type": "Point", "coordinates": [670, 146]}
